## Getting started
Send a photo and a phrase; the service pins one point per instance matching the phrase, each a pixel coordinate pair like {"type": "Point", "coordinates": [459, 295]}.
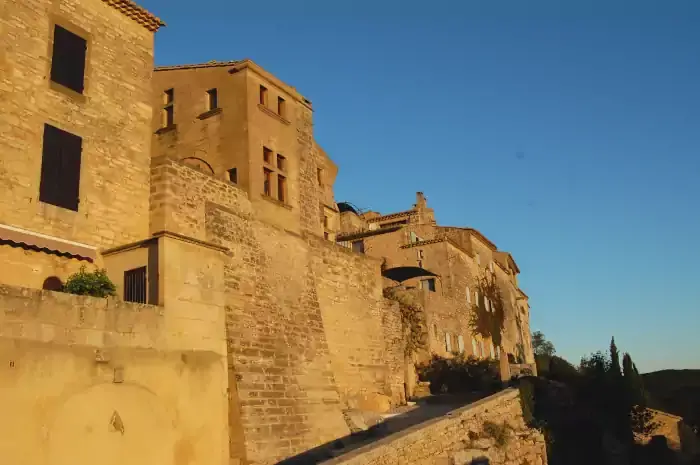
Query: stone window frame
{"type": "Point", "coordinates": [276, 167]}
{"type": "Point", "coordinates": [65, 23]}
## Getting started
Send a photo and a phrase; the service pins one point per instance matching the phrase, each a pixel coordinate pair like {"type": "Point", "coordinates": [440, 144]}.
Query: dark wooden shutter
{"type": "Point", "coordinates": [135, 285]}
{"type": "Point", "coordinates": [68, 59]}
{"type": "Point", "coordinates": [60, 168]}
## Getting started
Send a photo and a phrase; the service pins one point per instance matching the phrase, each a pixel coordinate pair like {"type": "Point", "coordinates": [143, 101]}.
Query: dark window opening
{"type": "Point", "coordinates": [169, 108]}
{"type": "Point", "coordinates": [135, 285]}
{"type": "Point", "coordinates": [263, 95]}
{"type": "Point", "coordinates": [281, 162]}
{"type": "Point", "coordinates": [267, 183]}
{"type": "Point", "coordinates": [428, 284]}
{"type": "Point", "coordinates": [281, 106]}
{"type": "Point", "coordinates": [319, 176]}
{"type": "Point", "coordinates": [267, 155]}
{"type": "Point", "coordinates": [68, 59]}
{"type": "Point", "coordinates": [325, 235]}
{"type": "Point", "coordinates": [281, 188]}
{"type": "Point", "coordinates": [212, 99]}
{"type": "Point", "coordinates": [233, 175]}
{"type": "Point", "coordinates": [60, 168]}
{"type": "Point", "coordinates": [52, 283]}
{"type": "Point", "coordinates": [358, 246]}
{"type": "Point", "coordinates": [325, 221]}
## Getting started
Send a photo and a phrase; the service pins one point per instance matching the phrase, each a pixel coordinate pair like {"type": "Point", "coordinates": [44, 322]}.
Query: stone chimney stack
{"type": "Point", "coordinates": [421, 201]}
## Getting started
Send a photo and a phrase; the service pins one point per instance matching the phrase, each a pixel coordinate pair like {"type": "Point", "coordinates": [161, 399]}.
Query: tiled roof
{"type": "Point", "coordinates": [137, 13]}
{"type": "Point", "coordinates": [209, 64]}
{"type": "Point", "coordinates": [391, 216]}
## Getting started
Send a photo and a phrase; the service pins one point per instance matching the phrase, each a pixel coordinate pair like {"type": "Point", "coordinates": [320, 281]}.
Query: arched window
{"type": "Point", "coordinates": [52, 283]}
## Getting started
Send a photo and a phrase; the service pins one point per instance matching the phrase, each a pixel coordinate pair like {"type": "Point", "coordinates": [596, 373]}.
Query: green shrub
{"type": "Point", "coordinates": [95, 283]}
{"type": "Point", "coordinates": [460, 374]}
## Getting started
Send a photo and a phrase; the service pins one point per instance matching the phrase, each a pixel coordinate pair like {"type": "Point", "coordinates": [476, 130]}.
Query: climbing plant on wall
{"type": "Point", "coordinates": [488, 311]}
{"type": "Point", "coordinates": [412, 319]}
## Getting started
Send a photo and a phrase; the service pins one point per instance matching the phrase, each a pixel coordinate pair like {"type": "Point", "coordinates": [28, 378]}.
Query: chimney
{"type": "Point", "coordinates": [421, 201]}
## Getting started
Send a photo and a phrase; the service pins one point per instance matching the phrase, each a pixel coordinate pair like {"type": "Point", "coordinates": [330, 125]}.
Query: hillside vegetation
{"type": "Point", "coordinates": [676, 392]}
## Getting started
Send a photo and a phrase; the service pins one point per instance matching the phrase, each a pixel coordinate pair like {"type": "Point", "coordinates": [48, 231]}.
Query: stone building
{"type": "Point", "coordinates": [237, 122]}
{"type": "Point", "coordinates": [454, 260]}
{"type": "Point", "coordinates": [242, 327]}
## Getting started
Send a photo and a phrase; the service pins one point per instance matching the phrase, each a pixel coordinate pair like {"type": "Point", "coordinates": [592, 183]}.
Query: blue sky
{"type": "Point", "coordinates": [568, 132]}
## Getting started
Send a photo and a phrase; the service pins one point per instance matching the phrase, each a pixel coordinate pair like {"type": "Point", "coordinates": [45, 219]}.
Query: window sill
{"type": "Point", "coordinates": [276, 202]}
{"type": "Point", "coordinates": [55, 86]}
{"type": "Point", "coordinates": [166, 129]}
{"type": "Point", "coordinates": [210, 113]}
{"type": "Point", "coordinates": [269, 112]}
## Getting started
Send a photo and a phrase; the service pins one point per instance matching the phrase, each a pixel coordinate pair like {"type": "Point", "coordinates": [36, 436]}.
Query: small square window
{"type": "Point", "coordinates": [281, 107]}
{"type": "Point", "coordinates": [68, 59]}
{"type": "Point", "coordinates": [212, 99]}
{"type": "Point", "coordinates": [135, 285]}
{"type": "Point", "coordinates": [428, 284]}
{"type": "Point", "coordinates": [263, 95]}
{"type": "Point", "coordinates": [281, 162]}
{"type": "Point", "coordinates": [358, 246]}
{"type": "Point", "coordinates": [325, 235]}
{"type": "Point", "coordinates": [267, 155]}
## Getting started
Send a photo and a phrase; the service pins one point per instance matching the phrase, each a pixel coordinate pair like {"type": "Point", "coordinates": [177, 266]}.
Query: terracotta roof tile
{"type": "Point", "coordinates": [137, 13]}
{"type": "Point", "coordinates": [209, 64]}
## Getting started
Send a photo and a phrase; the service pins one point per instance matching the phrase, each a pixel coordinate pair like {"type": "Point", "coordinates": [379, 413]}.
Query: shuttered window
{"type": "Point", "coordinates": [68, 59]}
{"type": "Point", "coordinates": [135, 285]}
{"type": "Point", "coordinates": [448, 342]}
{"type": "Point", "coordinates": [460, 343]}
{"type": "Point", "coordinates": [60, 168]}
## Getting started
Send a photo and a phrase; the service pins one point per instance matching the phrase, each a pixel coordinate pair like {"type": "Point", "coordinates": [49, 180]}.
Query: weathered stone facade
{"type": "Point", "coordinates": [254, 330]}
{"type": "Point", "coordinates": [459, 257]}
{"type": "Point", "coordinates": [464, 436]}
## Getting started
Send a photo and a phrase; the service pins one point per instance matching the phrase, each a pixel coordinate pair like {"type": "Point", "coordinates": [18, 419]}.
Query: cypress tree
{"type": "Point", "coordinates": [614, 360]}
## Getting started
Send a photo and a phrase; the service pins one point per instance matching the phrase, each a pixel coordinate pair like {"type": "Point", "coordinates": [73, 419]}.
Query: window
{"type": "Point", "coordinates": [498, 352]}
{"type": "Point", "coordinates": [478, 259]}
{"type": "Point", "coordinates": [168, 108]}
{"type": "Point", "coordinates": [428, 284]}
{"type": "Point", "coordinates": [475, 351]}
{"type": "Point", "coordinates": [135, 285]}
{"type": "Point", "coordinates": [281, 162]}
{"type": "Point", "coordinates": [233, 175]}
{"type": "Point", "coordinates": [267, 183]}
{"type": "Point", "coordinates": [60, 168]}
{"type": "Point", "coordinates": [491, 266]}
{"type": "Point", "coordinates": [487, 304]}
{"type": "Point", "coordinates": [481, 348]}
{"type": "Point", "coordinates": [476, 298]}
{"type": "Point", "coordinates": [267, 155]}
{"type": "Point", "coordinates": [469, 295]}
{"type": "Point", "coordinates": [263, 95]}
{"type": "Point", "coordinates": [493, 354]}
{"type": "Point", "coordinates": [325, 235]}
{"type": "Point", "coordinates": [319, 176]}
{"type": "Point", "coordinates": [460, 343]}
{"type": "Point", "coordinates": [212, 99]}
{"type": "Point", "coordinates": [414, 237]}
{"type": "Point", "coordinates": [435, 330]}
{"type": "Point", "coordinates": [281, 188]}
{"type": "Point", "coordinates": [358, 246]}
{"type": "Point", "coordinates": [448, 342]}
{"type": "Point", "coordinates": [420, 254]}
{"type": "Point", "coordinates": [281, 106]}
{"type": "Point", "coordinates": [68, 59]}
{"type": "Point", "coordinates": [420, 263]}
{"type": "Point", "coordinates": [325, 221]}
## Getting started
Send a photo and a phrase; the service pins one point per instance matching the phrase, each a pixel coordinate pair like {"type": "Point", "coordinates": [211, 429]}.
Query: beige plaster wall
{"type": "Point", "coordinates": [29, 268]}
{"type": "Point", "coordinates": [89, 380]}
{"type": "Point", "coordinates": [112, 117]}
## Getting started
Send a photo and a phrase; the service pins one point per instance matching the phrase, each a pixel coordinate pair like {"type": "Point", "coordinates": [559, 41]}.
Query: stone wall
{"type": "Point", "coordinates": [463, 436]}
{"type": "Point", "coordinates": [304, 317]}
{"type": "Point", "coordinates": [89, 380]}
{"type": "Point", "coordinates": [111, 116]}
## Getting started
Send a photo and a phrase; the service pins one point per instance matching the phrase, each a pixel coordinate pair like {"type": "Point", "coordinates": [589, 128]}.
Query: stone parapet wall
{"type": "Point", "coordinates": [81, 376]}
{"type": "Point", "coordinates": [463, 436]}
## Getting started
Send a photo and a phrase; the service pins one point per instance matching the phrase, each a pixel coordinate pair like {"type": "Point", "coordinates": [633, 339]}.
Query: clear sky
{"type": "Point", "coordinates": [568, 132]}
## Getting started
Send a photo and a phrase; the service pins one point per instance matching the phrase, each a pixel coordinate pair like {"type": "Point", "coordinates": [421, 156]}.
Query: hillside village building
{"type": "Point", "coordinates": [250, 311]}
